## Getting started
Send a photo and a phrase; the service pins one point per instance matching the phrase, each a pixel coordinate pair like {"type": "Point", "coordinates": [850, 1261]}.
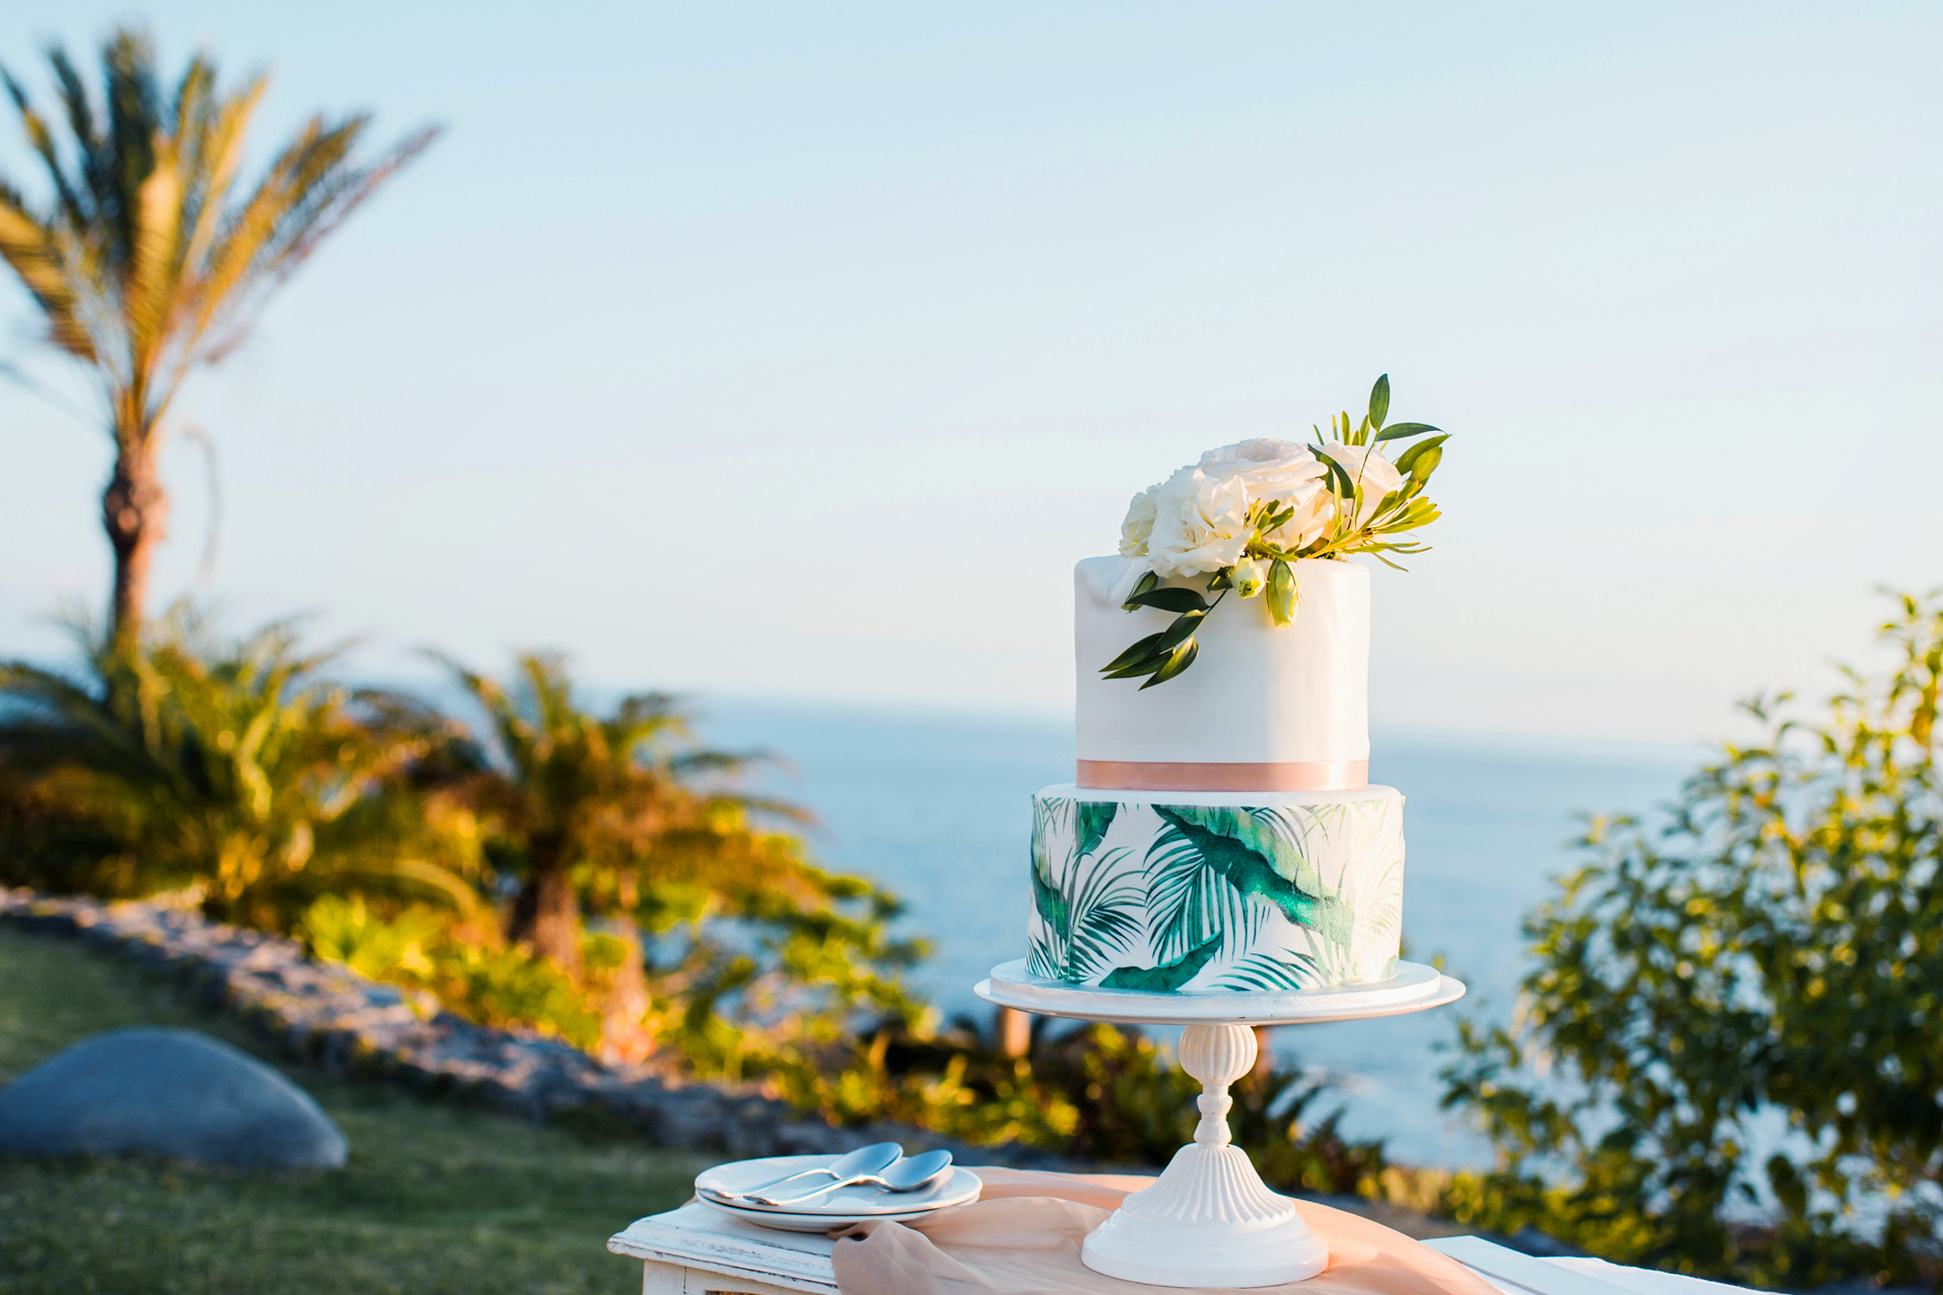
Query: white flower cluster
{"type": "Point", "coordinates": [1197, 521]}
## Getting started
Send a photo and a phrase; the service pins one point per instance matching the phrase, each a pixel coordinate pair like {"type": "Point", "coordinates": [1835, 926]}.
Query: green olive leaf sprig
{"type": "Point", "coordinates": [1355, 528]}
{"type": "Point", "coordinates": [1161, 656]}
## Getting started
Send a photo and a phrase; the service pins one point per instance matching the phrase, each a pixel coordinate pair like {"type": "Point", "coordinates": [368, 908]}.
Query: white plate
{"type": "Point", "coordinates": [808, 1222]}
{"type": "Point", "coordinates": [954, 1187]}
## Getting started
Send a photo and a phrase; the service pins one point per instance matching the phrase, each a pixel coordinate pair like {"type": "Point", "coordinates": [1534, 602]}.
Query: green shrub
{"type": "Point", "coordinates": [479, 979]}
{"type": "Point", "coordinates": [347, 930]}
{"type": "Point", "coordinates": [752, 962]}
{"type": "Point", "coordinates": [951, 1081]}
{"type": "Point", "coordinates": [1776, 953]}
{"type": "Point", "coordinates": [230, 768]}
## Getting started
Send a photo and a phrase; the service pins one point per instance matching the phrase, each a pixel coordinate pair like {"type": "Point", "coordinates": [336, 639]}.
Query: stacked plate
{"type": "Point", "coordinates": [722, 1188]}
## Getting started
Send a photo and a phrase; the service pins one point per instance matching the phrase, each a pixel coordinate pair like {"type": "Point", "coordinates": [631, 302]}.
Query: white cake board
{"type": "Point", "coordinates": [1209, 1220]}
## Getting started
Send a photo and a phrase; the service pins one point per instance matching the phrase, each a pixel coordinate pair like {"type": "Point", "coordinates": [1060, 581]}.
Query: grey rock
{"type": "Point", "coordinates": [172, 1093]}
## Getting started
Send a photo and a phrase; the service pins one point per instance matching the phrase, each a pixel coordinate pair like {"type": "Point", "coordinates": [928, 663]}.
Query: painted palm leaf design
{"type": "Point", "coordinates": [1279, 836]}
{"type": "Point", "coordinates": [1379, 933]}
{"type": "Point", "coordinates": [1090, 823]}
{"type": "Point", "coordinates": [1039, 958]}
{"type": "Point", "coordinates": [1047, 901]}
{"type": "Point", "coordinates": [1091, 917]}
{"type": "Point", "coordinates": [1383, 913]}
{"type": "Point", "coordinates": [1168, 976]}
{"type": "Point", "coordinates": [1200, 882]}
{"type": "Point", "coordinates": [1262, 971]}
{"type": "Point", "coordinates": [1046, 816]}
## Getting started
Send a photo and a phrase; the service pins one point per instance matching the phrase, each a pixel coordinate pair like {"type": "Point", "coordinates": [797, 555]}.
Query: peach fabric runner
{"type": "Point", "coordinates": [1154, 775]}
{"type": "Point", "coordinates": [1022, 1237]}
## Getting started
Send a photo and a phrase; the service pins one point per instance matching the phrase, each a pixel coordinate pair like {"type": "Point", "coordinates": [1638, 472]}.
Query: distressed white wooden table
{"type": "Point", "coordinates": [699, 1251]}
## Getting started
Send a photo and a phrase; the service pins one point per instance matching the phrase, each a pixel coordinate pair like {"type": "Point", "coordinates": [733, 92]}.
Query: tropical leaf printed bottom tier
{"type": "Point", "coordinates": [1263, 891]}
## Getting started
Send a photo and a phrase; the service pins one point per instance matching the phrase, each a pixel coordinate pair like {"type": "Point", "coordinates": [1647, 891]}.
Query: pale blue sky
{"type": "Point", "coordinates": [801, 349]}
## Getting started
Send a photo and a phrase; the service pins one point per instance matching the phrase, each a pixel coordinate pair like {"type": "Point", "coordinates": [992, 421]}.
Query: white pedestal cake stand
{"type": "Point", "coordinates": [1209, 1220]}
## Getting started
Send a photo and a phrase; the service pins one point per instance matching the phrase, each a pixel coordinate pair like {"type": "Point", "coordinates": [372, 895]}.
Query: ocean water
{"type": "Point", "coordinates": [938, 808]}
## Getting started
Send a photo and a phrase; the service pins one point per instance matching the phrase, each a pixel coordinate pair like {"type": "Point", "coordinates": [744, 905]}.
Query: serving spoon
{"type": "Point", "coordinates": [864, 1160]}
{"type": "Point", "coordinates": [904, 1176]}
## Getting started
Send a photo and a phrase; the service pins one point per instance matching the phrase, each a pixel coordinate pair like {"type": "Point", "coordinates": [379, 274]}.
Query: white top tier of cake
{"type": "Point", "coordinates": [1258, 693]}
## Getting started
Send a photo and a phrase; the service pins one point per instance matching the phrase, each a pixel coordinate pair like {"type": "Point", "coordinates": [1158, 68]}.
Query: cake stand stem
{"type": "Point", "coordinates": [1209, 1220]}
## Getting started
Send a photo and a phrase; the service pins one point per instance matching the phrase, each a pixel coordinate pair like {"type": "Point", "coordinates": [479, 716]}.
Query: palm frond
{"type": "Point", "coordinates": [1041, 960]}
{"type": "Point", "coordinates": [1188, 900]}
{"type": "Point", "coordinates": [1382, 921]}
{"type": "Point", "coordinates": [154, 272]}
{"type": "Point", "coordinates": [34, 252]}
{"type": "Point", "coordinates": [1262, 972]}
{"type": "Point", "coordinates": [1166, 977]}
{"type": "Point", "coordinates": [42, 140]}
{"type": "Point", "coordinates": [1049, 814]}
{"type": "Point", "coordinates": [237, 763]}
{"type": "Point", "coordinates": [770, 808]}
{"type": "Point", "coordinates": [1088, 908]}
{"type": "Point", "coordinates": [1105, 905]}
{"type": "Point", "coordinates": [142, 263]}
{"type": "Point", "coordinates": [82, 127]}
{"type": "Point", "coordinates": [1289, 840]}
{"type": "Point", "coordinates": [1091, 822]}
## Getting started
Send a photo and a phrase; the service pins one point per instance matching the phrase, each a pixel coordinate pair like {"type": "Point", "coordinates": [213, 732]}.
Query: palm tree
{"type": "Point", "coordinates": [232, 768]}
{"type": "Point", "coordinates": [146, 263]}
{"type": "Point", "coordinates": [621, 817]}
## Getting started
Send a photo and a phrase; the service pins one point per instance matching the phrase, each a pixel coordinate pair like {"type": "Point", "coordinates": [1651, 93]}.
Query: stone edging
{"type": "Point", "coordinates": [331, 1016]}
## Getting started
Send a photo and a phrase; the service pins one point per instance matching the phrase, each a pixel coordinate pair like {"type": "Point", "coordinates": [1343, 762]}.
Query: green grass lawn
{"type": "Point", "coordinates": [434, 1199]}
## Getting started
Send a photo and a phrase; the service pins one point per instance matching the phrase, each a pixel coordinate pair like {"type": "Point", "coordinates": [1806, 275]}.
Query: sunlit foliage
{"type": "Point", "coordinates": [751, 951]}
{"type": "Point", "coordinates": [1771, 961]}
{"type": "Point", "coordinates": [234, 769]}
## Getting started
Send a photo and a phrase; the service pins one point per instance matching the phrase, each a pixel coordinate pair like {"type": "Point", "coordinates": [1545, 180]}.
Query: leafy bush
{"type": "Point", "coordinates": [954, 1081]}
{"type": "Point", "coordinates": [230, 767]}
{"type": "Point", "coordinates": [478, 978]}
{"type": "Point", "coordinates": [346, 930]}
{"type": "Point", "coordinates": [755, 961]}
{"type": "Point", "coordinates": [1773, 958]}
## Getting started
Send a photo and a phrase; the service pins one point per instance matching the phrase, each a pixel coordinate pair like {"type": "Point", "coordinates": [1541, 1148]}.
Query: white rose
{"type": "Point", "coordinates": [1284, 471]}
{"type": "Point", "coordinates": [1278, 472]}
{"type": "Point", "coordinates": [1200, 524]}
{"type": "Point", "coordinates": [1139, 523]}
{"type": "Point", "coordinates": [1369, 469]}
{"type": "Point", "coordinates": [1312, 518]}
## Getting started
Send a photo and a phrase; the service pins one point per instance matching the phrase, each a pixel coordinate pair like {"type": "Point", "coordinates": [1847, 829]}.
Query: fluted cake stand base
{"type": "Point", "coordinates": [1209, 1220]}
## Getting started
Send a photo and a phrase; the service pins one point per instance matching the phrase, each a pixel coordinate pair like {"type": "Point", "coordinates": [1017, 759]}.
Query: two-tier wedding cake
{"type": "Point", "coordinates": [1221, 833]}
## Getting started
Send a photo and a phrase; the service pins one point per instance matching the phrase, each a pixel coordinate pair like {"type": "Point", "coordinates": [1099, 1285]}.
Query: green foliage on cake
{"type": "Point", "coordinates": [1169, 976]}
{"type": "Point", "coordinates": [1094, 818]}
{"type": "Point", "coordinates": [1172, 898]}
{"type": "Point", "coordinates": [1265, 973]}
{"type": "Point", "coordinates": [1088, 914]}
{"type": "Point", "coordinates": [1232, 845]}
